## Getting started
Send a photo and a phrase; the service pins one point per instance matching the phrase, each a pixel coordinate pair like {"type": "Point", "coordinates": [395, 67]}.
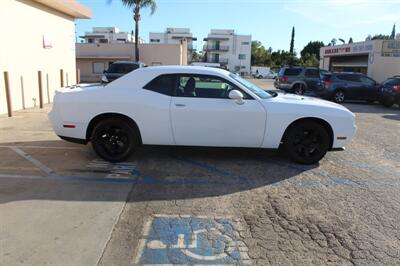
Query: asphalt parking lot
{"type": "Point", "coordinates": [60, 204]}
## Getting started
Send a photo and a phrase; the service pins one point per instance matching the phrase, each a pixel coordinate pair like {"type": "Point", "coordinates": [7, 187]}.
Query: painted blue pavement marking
{"type": "Point", "coordinates": [190, 240]}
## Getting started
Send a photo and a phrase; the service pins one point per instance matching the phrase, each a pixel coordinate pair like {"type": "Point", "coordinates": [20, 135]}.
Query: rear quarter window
{"type": "Point", "coordinates": [392, 82]}
{"type": "Point", "coordinates": [163, 84]}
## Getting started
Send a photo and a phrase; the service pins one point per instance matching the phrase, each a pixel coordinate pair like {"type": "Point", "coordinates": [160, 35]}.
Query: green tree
{"type": "Point", "coordinates": [351, 40]}
{"type": "Point", "coordinates": [380, 37]}
{"type": "Point", "coordinates": [136, 6]}
{"type": "Point", "coordinates": [291, 50]}
{"type": "Point", "coordinates": [258, 54]}
{"type": "Point", "coordinates": [392, 36]}
{"type": "Point", "coordinates": [309, 60]}
{"type": "Point", "coordinates": [312, 48]}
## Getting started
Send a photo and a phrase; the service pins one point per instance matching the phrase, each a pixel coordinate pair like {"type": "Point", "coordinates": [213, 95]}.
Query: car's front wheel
{"type": "Point", "coordinates": [306, 142]}
{"type": "Point", "coordinates": [114, 139]}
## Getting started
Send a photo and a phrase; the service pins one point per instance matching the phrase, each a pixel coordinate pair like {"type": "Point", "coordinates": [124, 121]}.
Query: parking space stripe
{"type": "Point", "coordinates": [35, 162]}
{"type": "Point", "coordinates": [41, 147]}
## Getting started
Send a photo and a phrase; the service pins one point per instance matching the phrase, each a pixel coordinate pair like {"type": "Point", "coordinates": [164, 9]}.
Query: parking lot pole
{"type": "Point", "coordinates": [78, 76]}
{"type": "Point", "coordinates": [62, 78]}
{"type": "Point", "coordinates": [8, 94]}
{"type": "Point", "coordinates": [40, 89]}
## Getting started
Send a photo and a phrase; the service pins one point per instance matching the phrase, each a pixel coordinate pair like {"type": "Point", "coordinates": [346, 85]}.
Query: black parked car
{"type": "Point", "coordinates": [391, 91]}
{"type": "Point", "coordinates": [341, 86]}
{"type": "Point", "coordinates": [298, 79]}
{"type": "Point", "coordinates": [118, 69]}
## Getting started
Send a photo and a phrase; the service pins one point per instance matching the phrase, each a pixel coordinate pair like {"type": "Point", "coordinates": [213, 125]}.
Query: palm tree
{"type": "Point", "coordinates": [136, 6]}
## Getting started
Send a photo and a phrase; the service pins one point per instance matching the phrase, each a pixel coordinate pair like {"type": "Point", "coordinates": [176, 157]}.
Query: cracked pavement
{"type": "Point", "coordinates": [343, 211]}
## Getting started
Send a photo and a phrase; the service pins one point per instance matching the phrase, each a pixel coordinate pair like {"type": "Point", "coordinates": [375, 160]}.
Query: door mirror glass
{"type": "Point", "coordinates": [237, 96]}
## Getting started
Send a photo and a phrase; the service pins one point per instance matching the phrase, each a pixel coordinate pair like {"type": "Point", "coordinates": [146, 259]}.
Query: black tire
{"type": "Point", "coordinates": [299, 89]}
{"type": "Point", "coordinates": [306, 142]}
{"type": "Point", "coordinates": [387, 103]}
{"type": "Point", "coordinates": [338, 96]}
{"type": "Point", "coordinates": [114, 139]}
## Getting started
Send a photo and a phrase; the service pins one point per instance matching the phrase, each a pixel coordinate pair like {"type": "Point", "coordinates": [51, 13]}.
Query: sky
{"type": "Point", "coordinates": [268, 21]}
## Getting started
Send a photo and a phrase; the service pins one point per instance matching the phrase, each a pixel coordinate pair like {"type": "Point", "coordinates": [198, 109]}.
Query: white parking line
{"type": "Point", "coordinates": [35, 162]}
{"type": "Point", "coordinates": [40, 147]}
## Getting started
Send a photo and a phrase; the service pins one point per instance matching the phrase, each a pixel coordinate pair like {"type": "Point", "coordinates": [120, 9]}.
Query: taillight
{"type": "Point", "coordinates": [327, 82]}
{"type": "Point", "coordinates": [283, 79]}
{"type": "Point", "coordinates": [396, 87]}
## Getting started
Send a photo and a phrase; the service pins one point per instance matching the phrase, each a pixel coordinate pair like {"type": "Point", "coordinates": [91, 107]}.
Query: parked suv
{"type": "Point", "coordinates": [118, 69]}
{"type": "Point", "coordinates": [298, 79]}
{"type": "Point", "coordinates": [341, 86]}
{"type": "Point", "coordinates": [391, 91]}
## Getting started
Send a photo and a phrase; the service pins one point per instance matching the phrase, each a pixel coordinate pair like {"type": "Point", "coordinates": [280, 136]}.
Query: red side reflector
{"type": "Point", "coordinates": [69, 126]}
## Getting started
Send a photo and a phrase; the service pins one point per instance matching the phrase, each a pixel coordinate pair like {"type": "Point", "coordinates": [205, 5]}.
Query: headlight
{"type": "Point", "coordinates": [104, 78]}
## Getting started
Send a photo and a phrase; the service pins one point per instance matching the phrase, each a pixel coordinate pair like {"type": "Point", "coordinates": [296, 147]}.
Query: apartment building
{"type": "Point", "coordinates": [37, 51]}
{"type": "Point", "coordinates": [108, 35]}
{"type": "Point", "coordinates": [174, 36]}
{"type": "Point", "coordinates": [229, 49]}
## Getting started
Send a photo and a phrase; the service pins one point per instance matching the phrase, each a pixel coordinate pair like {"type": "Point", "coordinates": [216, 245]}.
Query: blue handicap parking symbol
{"type": "Point", "coordinates": [190, 240]}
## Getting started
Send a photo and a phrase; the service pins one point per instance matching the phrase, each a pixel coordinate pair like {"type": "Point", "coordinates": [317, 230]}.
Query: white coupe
{"type": "Point", "coordinates": [197, 106]}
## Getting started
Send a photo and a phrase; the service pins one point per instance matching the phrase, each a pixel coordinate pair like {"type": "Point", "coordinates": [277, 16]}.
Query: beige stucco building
{"type": "Point", "coordinates": [379, 59]}
{"type": "Point", "coordinates": [93, 59]}
{"type": "Point", "coordinates": [39, 35]}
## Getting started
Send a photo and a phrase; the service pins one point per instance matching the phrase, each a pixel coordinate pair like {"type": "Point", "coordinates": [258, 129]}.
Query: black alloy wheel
{"type": "Point", "coordinates": [114, 139]}
{"type": "Point", "coordinates": [306, 142]}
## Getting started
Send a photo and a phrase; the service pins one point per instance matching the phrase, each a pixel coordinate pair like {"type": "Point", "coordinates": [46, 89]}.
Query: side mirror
{"type": "Point", "coordinates": [237, 96]}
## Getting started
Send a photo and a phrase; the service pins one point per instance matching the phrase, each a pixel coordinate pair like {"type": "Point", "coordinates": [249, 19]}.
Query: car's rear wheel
{"type": "Point", "coordinates": [299, 89]}
{"type": "Point", "coordinates": [306, 142]}
{"type": "Point", "coordinates": [339, 96]}
{"type": "Point", "coordinates": [114, 139]}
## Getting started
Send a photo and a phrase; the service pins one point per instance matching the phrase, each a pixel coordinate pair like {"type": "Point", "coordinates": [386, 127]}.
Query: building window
{"type": "Point", "coordinates": [245, 43]}
{"type": "Point", "coordinates": [154, 40]}
{"type": "Point", "coordinates": [98, 67]}
{"type": "Point", "coordinates": [121, 40]}
{"type": "Point", "coordinates": [90, 40]}
{"type": "Point", "coordinates": [242, 56]}
{"type": "Point", "coordinates": [103, 41]}
{"type": "Point", "coordinates": [242, 67]}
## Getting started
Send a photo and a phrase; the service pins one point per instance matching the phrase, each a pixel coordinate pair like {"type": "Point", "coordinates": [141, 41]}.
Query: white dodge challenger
{"type": "Point", "coordinates": [197, 106]}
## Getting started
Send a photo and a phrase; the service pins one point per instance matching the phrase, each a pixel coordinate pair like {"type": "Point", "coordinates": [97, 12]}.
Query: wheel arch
{"type": "Point", "coordinates": [299, 83]}
{"type": "Point", "coordinates": [95, 120]}
{"type": "Point", "coordinates": [320, 121]}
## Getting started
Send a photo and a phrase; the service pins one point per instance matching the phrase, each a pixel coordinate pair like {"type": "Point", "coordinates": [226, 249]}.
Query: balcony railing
{"type": "Point", "coordinates": [211, 47]}
{"type": "Point", "coordinates": [222, 61]}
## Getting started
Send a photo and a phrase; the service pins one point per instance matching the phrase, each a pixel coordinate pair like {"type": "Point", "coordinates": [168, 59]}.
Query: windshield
{"type": "Point", "coordinates": [250, 86]}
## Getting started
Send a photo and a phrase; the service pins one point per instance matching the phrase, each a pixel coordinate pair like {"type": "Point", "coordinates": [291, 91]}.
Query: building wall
{"type": "Point", "coordinates": [150, 54]}
{"type": "Point", "coordinates": [236, 47]}
{"type": "Point", "coordinates": [379, 67]}
{"type": "Point", "coordinates": [22, 53]}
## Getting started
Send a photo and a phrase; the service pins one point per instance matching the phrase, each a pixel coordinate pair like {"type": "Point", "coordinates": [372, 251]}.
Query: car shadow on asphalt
{"type": "Point", "coordinates": [154, 173]}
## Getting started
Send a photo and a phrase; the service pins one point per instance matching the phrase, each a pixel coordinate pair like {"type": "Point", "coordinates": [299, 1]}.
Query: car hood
{"type": "Point", "coordinates": [307, 100]}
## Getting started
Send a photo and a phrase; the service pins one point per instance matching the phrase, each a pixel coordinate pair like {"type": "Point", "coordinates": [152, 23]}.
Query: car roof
{"type": "Point", "coordinates": [127, 62]}
{"type": "Point", "coordinates": [171, 69]}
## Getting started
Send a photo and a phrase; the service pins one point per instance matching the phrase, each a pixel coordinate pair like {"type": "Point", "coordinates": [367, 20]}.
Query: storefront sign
{"type": "Point", "coordinates": [391, 48]}
{"type": "Point", "coordinates": [339, 50]}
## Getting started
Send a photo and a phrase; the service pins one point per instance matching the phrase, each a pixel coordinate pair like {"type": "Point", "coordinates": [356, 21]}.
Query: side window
{"type": "Point", "coordinates": [292, 71]}
{"type": "Point", "coordinates": [204, 86]}
{"type": "Point", "coordinates": [367, 81]}
{"type": "Point", "coordinates": [163, 84]}
{"type": "Point", "coordinates": [312, 73]}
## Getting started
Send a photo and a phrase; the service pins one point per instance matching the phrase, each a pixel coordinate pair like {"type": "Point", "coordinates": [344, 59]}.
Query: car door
{"type": "Point", "coordinates": [350, 84]}
{"type": "Point", "coordinates": [311, 77]}
{"type": "Point", "coordinates": [370, 89]}
{"type": "Point", "coordinates": [203, 115]}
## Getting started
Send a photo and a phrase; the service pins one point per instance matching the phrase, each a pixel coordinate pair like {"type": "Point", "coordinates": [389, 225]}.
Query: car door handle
{"type": "Point", "coordinates": [180, 105]}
